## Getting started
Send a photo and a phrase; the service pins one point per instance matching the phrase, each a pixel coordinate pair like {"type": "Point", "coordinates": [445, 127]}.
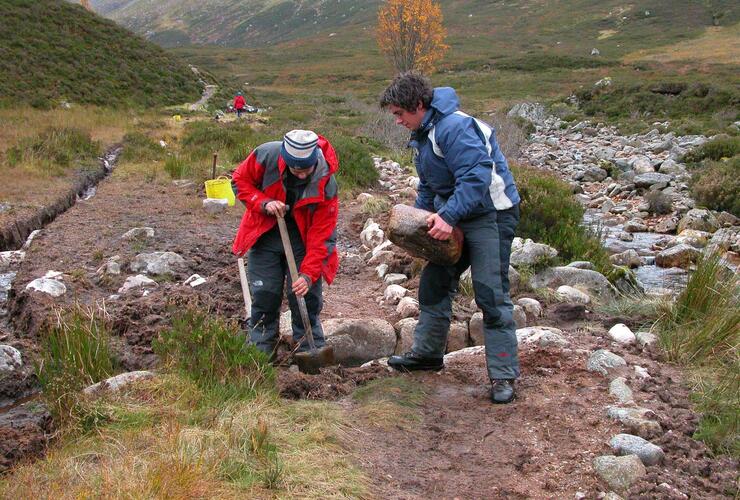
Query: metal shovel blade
{"type": "Point", "coordinates": [313, 360]}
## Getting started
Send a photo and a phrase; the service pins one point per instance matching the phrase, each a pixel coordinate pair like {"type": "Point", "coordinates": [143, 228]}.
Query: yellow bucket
{"type": "Point", "coordinates": [220, 188]}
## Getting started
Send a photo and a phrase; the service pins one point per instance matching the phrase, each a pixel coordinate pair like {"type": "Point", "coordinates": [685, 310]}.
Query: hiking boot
{"type": "Point", "coordinates": [410, 361]}
{"type": "Point", "coordinates": [502, 391]}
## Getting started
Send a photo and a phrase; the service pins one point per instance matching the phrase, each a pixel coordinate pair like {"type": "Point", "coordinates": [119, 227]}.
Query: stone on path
{"type": "Point", "coordinates": [646, 338]}
{"type": "Point", "coordinates": [619, 472]}
{"type": "Point", "coordinates": [10, 359]}
{"type": "Point", "coordinates": [52, 287]}
{"type": "Point", "coordinates": [215, 206]}
{"type": "Point", "coordinates": [372, 236]}
{"type": "Point", "coordinates": [637, 420]}
{"type": "Point", "coordinates": [405, 331]}
{"type": "Point", "coordinates": [520, 316]}
{"type": "Point", "coordinates": [394, 293]}
{"type": "Point", "coordinates": [462, 353]}
{"type": "Point", "coordinates": [395, 278]}
{"type": "Point", "coordinates": [356, 341]}
{"type": "Point", "coordinates": [138, 281]}
{"type": "Point", "coordinates": [528, 253]}
{"type": "Point", "coordinates": [408, 307]}
{"type": "Point", "coordinates": [543, 336]}
{"type": "Point", "coordinates": [622, 334]}
{"type": "Point", "coordinates": [157, 263]}
{"type": "Point", "coordinates": [627, 444]}
{"type": "Point", "coordinates": [407, 228]}
{"type": "Point", "coordinates": [602, 361]}
{"type": "Point", "coordinates": [619, 389]}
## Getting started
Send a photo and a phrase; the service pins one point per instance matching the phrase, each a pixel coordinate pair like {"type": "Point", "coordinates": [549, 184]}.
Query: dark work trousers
{"type": "Point", "coordinates": [268, 270]}
{"type": "Point", "coordinates": [487, 249]}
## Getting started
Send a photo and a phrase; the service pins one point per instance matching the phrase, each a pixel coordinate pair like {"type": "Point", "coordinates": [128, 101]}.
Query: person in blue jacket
{"type": "Point", "coordinates": [464, 181]}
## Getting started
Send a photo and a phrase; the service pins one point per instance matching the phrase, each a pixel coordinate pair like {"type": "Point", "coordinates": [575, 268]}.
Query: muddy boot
{"type": "Point", "coordinates": [411, 361]}
{"type": "Point", "coordinates": [502, 391]}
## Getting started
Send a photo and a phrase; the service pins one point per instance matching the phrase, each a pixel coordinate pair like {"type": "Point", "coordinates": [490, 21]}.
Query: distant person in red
{"type": "Point", "coordinates": [239, 104]}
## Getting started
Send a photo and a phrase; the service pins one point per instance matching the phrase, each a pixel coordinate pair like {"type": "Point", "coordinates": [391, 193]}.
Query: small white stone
{"type": "Point", "coordinates": [622, 334]}
{"type": "Point", "coordinates": [49, 286]}
{"type": "Point", "coordinates": [641, 372]}
{"type": "Point", "coordinates": [394, 293]}
{"type": "Point", "coordinates": [531, 306]}
{"type": "Point", "coordinates": [395, 278]}
{"type": "Point", "coordinates": [137, 281]}
{"type": "Point", "coordinates": [194, 280]}
{"type": "Point", "coordinates": [10, 359]}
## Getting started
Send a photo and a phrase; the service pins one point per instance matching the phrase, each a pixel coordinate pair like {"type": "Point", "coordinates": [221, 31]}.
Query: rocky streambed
{"type": "Point", "coordinates": [635, 190]}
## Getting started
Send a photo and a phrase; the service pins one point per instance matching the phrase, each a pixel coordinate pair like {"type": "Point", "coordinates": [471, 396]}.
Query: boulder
{"type": "Point", "coordinates": [372, 236]}
{"type": "Point", "coordinates": [520, 316]}
{"type": "Point", "coordinates": [627, 444]}
{"type": "Point", "coordinates": [595, 283]}
{"type": "Point", "coordinates": [458, 337]}
{"type": "Point", "coordinates": [157, 263]}
{"type": "Point", "coordinates": [356, 341]}
{"type": "Point", "coordinates": [641, 165]}
{"type": "Point", "coordinates": [603, 361]}
{"type": "Point", "coordinates": [649, 179]}
{"type": "Point", "coordinates": [215, 206]}
{"type": "Point", "coordinates": [699, 219]}
{"type": "Point", "coordinates": [594, 174]}
{"type": "Point", "coordinates": [530, 253]}
{"type": "Point", "coordinates": [11, 259]}
{"type": "Point", "coordinates": [569, 294]}
{"type": "Point", "coordinates": [476, 329]}
{"type": "Point", "coordinates": [394, 293]}
{"type": "Point", "coordinates": [678, 256]}
{"type": "Point", "coordinates": [395, 278]}
{"type": "Point", "coordinates": [620, 390]}
{"type": "Point", "coordinates": [637, 420]}
{"type": "Point", "coordinates": [697, 239]}
{"type": "Point", "coordinates": [619, 472]}
{"type": "Point", "coordinates": [405, 331]}
{"type": "Point", "coordinates": [408, 307]}
{"type": "Point", "coordinates": [542, 336]}
{"type": "Point", "coordinates": [629, 258]}
{"type": "Point", "coordinates": [645, 339]}
{"type": "Point", "coordinates": [10, 359]}
{"type": "Point", "coordinates": [407, 228]}
{"type": "Point", "coordinates": [530, 306]}
{"type": "Point", "coordinates": [49, 286]}
{"type": "Point", "coordinates": [621, 334]}
{"type": "Point", "coordinates": [135, 282]}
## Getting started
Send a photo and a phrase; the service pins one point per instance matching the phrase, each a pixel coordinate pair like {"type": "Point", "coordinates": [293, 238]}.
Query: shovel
{"type": "Point", "coordinates": [312, 360]}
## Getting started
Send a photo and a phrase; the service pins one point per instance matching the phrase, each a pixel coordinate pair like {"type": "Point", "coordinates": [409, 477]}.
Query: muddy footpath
{"type": "Point", "coordinates": [460, 446]}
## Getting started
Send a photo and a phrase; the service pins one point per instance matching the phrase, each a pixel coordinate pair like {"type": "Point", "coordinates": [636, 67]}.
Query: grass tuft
{"type": "Point", "coordinates": [75, 354]}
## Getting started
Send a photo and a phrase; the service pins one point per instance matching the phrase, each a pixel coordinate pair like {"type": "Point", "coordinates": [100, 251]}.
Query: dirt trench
{"type": "Point", "coordinates": [460, 446]}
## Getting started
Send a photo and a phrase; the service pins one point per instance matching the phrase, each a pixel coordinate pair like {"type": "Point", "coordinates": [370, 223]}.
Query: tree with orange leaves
{"type": "Point", "coordinates": [411, 34]}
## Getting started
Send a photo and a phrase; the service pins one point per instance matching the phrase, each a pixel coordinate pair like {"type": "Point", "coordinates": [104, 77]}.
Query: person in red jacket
{"type": "Point", "coordinates": [239, 104]}
{"type": "Point", "coordinates": [293, 178]}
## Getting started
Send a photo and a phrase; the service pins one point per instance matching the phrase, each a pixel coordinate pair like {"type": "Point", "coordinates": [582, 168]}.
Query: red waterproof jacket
{"type": "Point", "coordinates": [239, 102]}
{"type": "Point", "coordinates": [258, 179]}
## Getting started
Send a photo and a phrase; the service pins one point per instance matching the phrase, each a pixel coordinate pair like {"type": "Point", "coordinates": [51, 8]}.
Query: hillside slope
{"type": "Point", "coordinates": [50, 49]}
{"type": "Point", "coordinates": [528, 23]}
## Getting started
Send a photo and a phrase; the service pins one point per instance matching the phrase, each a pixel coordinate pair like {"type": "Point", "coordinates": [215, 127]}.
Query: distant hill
{"type": "Point", "coordinates": [555, 24]}
{"type": "Point", "coordinates": [51, 49]}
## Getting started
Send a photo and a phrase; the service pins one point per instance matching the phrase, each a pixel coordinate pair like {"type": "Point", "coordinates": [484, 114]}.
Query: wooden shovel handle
{"type": "Point", "coordinates": [294, 277]}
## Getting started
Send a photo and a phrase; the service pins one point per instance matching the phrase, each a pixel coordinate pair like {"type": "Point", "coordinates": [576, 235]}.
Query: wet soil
{"type": "Point", "coordinates": [541, 446]}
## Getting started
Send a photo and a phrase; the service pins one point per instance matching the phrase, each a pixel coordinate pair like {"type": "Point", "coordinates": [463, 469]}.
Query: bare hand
{"type": "Point", "coordinates": [276, 208]}
{"type": "Point", "coordinates": [438, 228]}
{"type": "Point", "coordinates": [300, 286]}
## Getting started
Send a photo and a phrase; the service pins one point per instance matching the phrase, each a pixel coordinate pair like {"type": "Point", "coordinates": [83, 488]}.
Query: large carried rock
{"type": "Point", "coordinates": [356, 341]}
{"type": "Point", "coordinates": [407, 228]}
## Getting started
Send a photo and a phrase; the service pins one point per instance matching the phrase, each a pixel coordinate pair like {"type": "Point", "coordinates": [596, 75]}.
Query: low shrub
{"type": "Point", "coordinates": [717, 184]}
{"type": "Point", "coordinates": [716, 149]}
{"type": "Point", "coordinates": [550, 215]}
{"type": "Point", "coordinates": [140, 147]}
{"type": "Point", "coordinates": [75, 354]}
{"type": "Point", "coordinates": [356, 169]}
{"type": "Point", "coordinates": [215, 354]}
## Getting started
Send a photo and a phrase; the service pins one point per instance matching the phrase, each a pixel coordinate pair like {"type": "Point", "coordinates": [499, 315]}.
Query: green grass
{"type": "Point", "coordinates": [390, 402]}
{"type": "Point", "coordinates": [53, 51]}
{"type": "Point", "coordinates": [550, 215]}
{"type": "Point", "coordinates": [215, 354]}
{"type": "Point", "coordinates": [54, 151]}
{"type": "Point", "coordinates": [75, 354]}
{"type": "Point", "coordinates": [716, 185]}
{"type": "Point", "coordinates": [700, 330]}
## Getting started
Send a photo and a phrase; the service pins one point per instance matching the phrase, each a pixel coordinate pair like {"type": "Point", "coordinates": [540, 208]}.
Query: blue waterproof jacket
{"type": "Point", "coordinates": [455, 158]}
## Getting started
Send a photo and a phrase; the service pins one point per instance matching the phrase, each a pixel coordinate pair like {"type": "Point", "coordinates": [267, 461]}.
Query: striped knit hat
{"type": "Point", "coordinates": [299, 149]}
